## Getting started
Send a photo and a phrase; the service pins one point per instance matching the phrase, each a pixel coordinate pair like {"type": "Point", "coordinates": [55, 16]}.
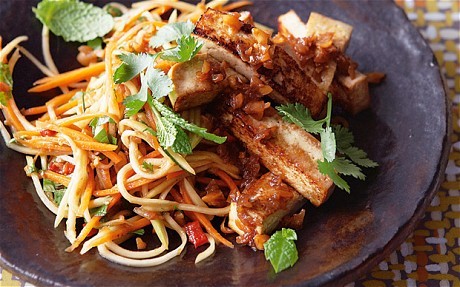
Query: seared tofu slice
{"type": "Point", "coordinates": [352, 93]}
{"type": "Point", "coordinates": [319, 24]}
{"type": "Point", "coordinates": [198, 81]}
{"type": "Point", "coordinates": [349, 91]}
{"type": "Point", "coordinates": [285, 149]}
{"type": "Point", "coordinates": [249, 51]}
{"type": "Point", "coordinates": [259, 208]}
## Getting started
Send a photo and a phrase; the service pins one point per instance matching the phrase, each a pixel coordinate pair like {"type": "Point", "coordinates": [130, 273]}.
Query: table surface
{"type": "Point", "coordinates": [431, 255]}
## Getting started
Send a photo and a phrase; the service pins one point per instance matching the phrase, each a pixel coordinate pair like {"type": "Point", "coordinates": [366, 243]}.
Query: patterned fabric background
{"type": "Point", "coordinates": [431, 255]}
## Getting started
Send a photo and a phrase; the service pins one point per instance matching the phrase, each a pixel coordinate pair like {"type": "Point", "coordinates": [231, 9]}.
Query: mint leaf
{"type": "Point", "coordinates": [179, 121]}
{"type": "Point", "coordinates": [327, 168]}
{"type": "Point", "coordinates": [6, 84]}
{"type": "Point", "coordinates": [132, 65]}
{"type": "Point", "coordinates": [99, 211]}
{"type": "Point", "coordinates": [281, 250]}
{"type": "Point", "coordinates": [167, 132]}
{"type": "Point", "coordinates": [74, 20]}
{"type": "Point", "coordinates": [171, 32]}
{"type": "Point", "coordinates": [182, 143]}
{"type": "Point", "coordinates": [158, 82]}
{"type": "Point", "coordinates": [328, 144]}
{"type": "Point", "coordinates": [57, 189]}
{"type": "Point", "coordinates": [301, 116]}
{"type": "Point", "coordinates": [187, 47]}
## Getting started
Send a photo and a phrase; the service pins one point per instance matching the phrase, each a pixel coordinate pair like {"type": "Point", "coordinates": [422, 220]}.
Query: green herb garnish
{"type": "Point", "coordinates": [6, 84]}
{"type": "Point", "coordinates": [57, 189]}
{"type": "Point", "coordinates": [74, 20]}
{"type": "Point", "coordinates": [333, 139]}
{"type": "Point", "coordinates": [281, 250]}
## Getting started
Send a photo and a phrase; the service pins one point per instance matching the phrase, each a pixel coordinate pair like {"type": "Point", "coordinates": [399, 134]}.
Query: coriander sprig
{"type": "Point", "coordinates": [155, 85]}
{"type": "Point", "coordinates": [333, 138]}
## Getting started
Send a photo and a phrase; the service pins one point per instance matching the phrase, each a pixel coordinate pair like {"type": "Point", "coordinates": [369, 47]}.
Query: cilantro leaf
{"type": "Point", "coordinates": [343, 137]}
{"type": "Point", "coordinates": [158, 82]}
{"type": "Point", "coordinates": [99, 211]}
{"type": "Point", "coordinates": [103, 137]}
{"type": "Point", "coordinates": [132, 65]}
{"type": "Point", "coordinates": [179, 121]}
{"type": "Point", "coordinates": [147, 166]}
{"type": "Point", "coordinates": [345, 141]}
{"type": "Point", "coordinates": [171, 32]}
{"type": "Point", "coordinates": [134, 103]}
{"type": "Point", "coordinates": [281, 250]}
{"type": "Point", "coordinates": [328, 144]}
{"type": "Point", "coordinates": [6, 84]}
{"type": "Point", "coordinates": [74, 20]}
{"type": "Point", "coordinates": [187, 47]}
{"type": "Point", "coordinates": [57, 189]}
{"type": "Point", "coordinates": [359, 157]}
{"type": "Point", "coordinates": [327, 168]}
{"type": "Point", "coordinates": [98, 121]}
{"type": "Point", "coordinates": [346, 167]}
{"type": "Point", "coordinates": [301, 116]}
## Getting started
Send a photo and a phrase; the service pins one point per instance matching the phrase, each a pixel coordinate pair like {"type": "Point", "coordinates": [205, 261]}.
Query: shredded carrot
{"type": "Point", "coordinates": [113, 156]}
{"type": "Point", "coordinates": [35, 111]}
{"type": "Point", "coordinates": [175, 174]}
{"type": "Point", "coordinates": [62, 99]}
{"type": "Point", "coordinates": [226, 178]}
{"type": "Point", "coordinates": [60, 110]}
{"type": "Point", "coordinates": [138, 183]}
{"type": "Point", "coordinates": [89, 226]}
{"type": "Point", "coordinates": [123, 230]}
{"type": "Point", "coordinates": [204, 220]}
{"type": "Point", "coordinates": [45, 145]}
{"type": "Point", "coordinates": [236, 5]}
{"type": "Point", "coordinates": [11, 117]}
{"type": "Point", "coordinates": [104, 178]}
{"type": "Point", "coordinates": [64, 79]}
{"type": "Point", "coordinates": [84, 233]}
{"type": "Point", "coordinates": [56, 177]}
{"type": "Point", "coordinates": [86, 197]}
{"type": "Point", "coordinates": [153, 154]}
{"type": "Point", "coordinates": [105, 192]}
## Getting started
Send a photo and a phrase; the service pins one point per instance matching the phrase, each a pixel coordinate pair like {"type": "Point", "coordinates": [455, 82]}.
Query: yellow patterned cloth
{"type": "Point", "coordinates": [431, 255]}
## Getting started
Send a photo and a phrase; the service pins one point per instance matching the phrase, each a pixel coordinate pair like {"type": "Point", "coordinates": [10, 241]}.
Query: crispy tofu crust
{"type": "Point", "coordinates": [260, 207]}
{"type": "Point", "coordinates": [287, 151]}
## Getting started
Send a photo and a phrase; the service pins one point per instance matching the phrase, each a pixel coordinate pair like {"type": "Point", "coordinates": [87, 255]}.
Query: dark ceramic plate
{"type": "Point", "coordinates": [406, 132]}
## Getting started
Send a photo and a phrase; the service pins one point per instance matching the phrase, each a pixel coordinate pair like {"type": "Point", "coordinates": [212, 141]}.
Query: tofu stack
{"type": "Point", "coordinates": [244, 70]}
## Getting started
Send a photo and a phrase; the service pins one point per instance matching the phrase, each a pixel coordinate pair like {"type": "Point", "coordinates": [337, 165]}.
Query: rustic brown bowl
{"type": "Point", "coordinates": [406, 131]}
